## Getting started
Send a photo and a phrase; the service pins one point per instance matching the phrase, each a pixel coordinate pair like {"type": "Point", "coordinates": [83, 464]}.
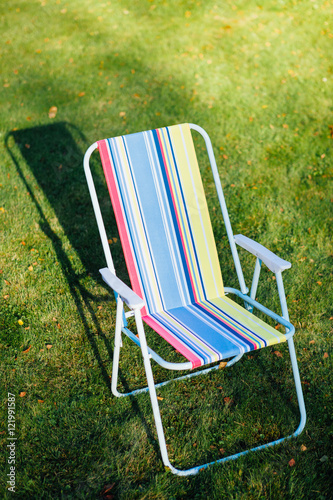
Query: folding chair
{"type": "Point", "coordinates": [161, 211]}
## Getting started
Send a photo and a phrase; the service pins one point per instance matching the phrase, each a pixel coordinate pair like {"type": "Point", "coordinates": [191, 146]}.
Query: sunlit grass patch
{"type": "Point", "coordinates": [258, 78]}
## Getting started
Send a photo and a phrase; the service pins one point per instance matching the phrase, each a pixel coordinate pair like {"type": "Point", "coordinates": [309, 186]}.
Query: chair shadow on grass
{"type": "Point", "coordinates": [53, 155]}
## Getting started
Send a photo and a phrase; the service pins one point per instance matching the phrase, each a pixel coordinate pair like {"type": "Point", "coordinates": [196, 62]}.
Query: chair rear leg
{"type": "Point", "coordinates": [298, 386]}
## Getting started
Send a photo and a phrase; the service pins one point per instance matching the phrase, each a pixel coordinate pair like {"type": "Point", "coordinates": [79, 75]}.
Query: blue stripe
{"type": "Point", "coordinates": [219, 321]}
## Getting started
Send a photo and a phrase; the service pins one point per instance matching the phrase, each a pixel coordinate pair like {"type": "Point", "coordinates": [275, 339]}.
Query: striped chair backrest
{"type": "Point", "coordinates": [162, 215]}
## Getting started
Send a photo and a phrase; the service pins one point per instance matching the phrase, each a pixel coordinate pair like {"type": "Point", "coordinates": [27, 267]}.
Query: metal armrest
{"type": "Point", "coordinates": [272, 261]}
{"type": "Point", "coordinates": [126, 293]}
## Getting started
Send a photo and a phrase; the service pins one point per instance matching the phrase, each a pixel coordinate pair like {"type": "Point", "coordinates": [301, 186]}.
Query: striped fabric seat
{"type": "Point", "coordinates": [164, 225]}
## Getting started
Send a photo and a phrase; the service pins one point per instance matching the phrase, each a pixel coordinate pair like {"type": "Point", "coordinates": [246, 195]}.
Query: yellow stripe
{"type": "Point", "coordinates": [249, 320]}
{"type": "Point", "coordinates": [198, 213]}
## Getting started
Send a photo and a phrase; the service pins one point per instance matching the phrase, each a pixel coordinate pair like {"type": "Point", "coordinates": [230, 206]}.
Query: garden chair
{"type": "Point", "coordinates": [161, 211]}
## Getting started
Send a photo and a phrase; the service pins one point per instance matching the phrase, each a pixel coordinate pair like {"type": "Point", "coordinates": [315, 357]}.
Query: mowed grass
{"type": "Point", "coordinates": [258, 77]}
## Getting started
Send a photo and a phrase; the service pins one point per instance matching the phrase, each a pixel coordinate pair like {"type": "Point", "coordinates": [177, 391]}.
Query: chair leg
{"type": "Point", "coordinates": [298, 385]}
{"type": "Point", "coordinates": [117, 345]}
{"type": "Point", "coordinates": [285, 314]}
{"type": "Point", "coordinates": [152, 390]}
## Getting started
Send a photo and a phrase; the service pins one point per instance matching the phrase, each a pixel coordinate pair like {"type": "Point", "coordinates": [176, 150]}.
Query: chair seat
{"type": "Point", "coordinates": [212, 330]}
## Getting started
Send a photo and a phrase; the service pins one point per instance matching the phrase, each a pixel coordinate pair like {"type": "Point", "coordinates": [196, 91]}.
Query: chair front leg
{"type": "Point", "coordinates": [117, 346]}
{"type": "Point", "coordinates": [152, 390]}
{"type": "Point", "coordinates": [292, 352]}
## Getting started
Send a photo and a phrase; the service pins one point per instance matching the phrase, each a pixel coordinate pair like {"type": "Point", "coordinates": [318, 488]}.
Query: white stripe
{"type": "Point", "coordinates": [244, 313]}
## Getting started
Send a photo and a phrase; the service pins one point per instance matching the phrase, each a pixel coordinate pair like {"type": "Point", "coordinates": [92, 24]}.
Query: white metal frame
{"type": "Point", "coordinates": [125, 295]}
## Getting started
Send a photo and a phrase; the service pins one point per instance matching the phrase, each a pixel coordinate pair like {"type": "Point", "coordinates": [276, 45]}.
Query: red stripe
{"type": "Point", "coordinates": [196, 362]}
{"type": "Point", "coordinates": [108, 169]}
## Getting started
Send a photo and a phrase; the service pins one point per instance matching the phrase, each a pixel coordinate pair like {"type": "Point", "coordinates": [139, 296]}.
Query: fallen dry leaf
{"type": "Point", "coordinates": [291, 462]}
{"type": "Point", "coordinates": [105, 493]}
{"type": "Point", "coordinates": [81, 94]}
{"type": "Point", "coordinates": [223, 364]}
{"type": "Point", "coordinates": [48, 346]}
{"type": "Point", "coordinates": [303, 447]}
{"type": "Point", "coordinates": [27, 350]}
{"type": "Point", "coordinates": [22, 394]}
{"type": "Point", "coordinates": [278, 354]}
{"type": "Point", "coordinates": [40, 400]}
{"type": "Point", "coordinates": [53, 111]}
{"type": "Point", "coordinates": [325, 354]}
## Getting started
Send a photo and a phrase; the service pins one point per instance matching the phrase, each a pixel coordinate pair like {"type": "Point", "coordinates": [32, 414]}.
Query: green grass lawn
{"type": "Point", "coordinates": [258, 77]}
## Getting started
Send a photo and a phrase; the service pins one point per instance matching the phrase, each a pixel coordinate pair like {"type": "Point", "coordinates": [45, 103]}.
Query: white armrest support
{"type": "Point", "coordinates": [272, 261]}
{"type": "Point", "coordinates": [126, 293]}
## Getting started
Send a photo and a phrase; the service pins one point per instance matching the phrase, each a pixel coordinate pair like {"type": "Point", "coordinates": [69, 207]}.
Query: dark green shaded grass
{"type": "Point", "coordinates": [258, 78]}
